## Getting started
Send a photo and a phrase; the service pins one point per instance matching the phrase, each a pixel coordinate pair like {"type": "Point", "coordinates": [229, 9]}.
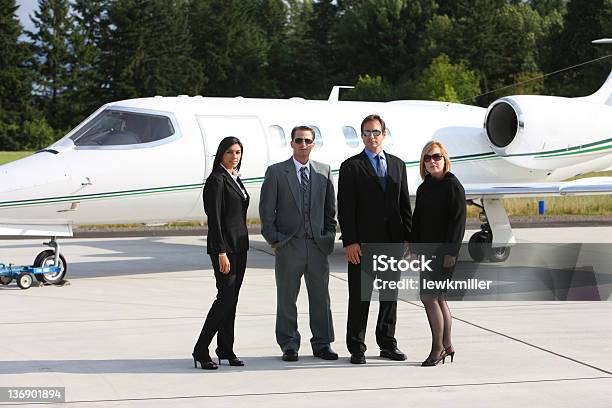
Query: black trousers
{"type": "Point", "coordinates": [222, 314]}
{"type": "Point", "coordinates": [358, 309]}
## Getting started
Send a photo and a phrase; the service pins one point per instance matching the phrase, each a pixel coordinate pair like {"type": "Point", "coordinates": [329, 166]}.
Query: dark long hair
{"type": "Point", "coordinates": [223, 146]}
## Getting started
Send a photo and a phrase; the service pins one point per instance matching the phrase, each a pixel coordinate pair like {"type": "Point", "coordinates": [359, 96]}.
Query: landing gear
{"type": "Point", "coordinates": [51, 257]}
{"type": "Point", "coordinates": [49, 267]}
{"type": "Point", "coordinates": [480, 246]}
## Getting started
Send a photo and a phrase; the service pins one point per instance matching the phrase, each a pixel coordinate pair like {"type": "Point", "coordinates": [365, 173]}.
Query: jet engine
{"type": "Point", "coordinates": [548, 132]}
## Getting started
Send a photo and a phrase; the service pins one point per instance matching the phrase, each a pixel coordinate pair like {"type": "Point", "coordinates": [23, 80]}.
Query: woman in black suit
{"type": "Point", "coordinates": [225, 203]}
{"type": "Point", "coordinates": [439, 218]}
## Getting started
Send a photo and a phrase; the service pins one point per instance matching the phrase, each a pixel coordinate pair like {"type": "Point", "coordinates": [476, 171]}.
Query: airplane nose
{"type": "Point", "coordinates": [38, 176]}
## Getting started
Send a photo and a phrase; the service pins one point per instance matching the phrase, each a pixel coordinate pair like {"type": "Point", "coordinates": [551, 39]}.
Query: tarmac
{"type": "Point", "coordinates": [120, 334]}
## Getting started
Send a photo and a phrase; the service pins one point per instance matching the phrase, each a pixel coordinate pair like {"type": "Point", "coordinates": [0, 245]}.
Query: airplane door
{"type": "Point", "coordinates": [255, 160]}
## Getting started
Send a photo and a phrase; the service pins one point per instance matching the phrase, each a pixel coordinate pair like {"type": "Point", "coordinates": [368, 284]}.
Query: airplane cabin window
{"type": "Point", "coordinates": [116, 128]}
{"type": "Point", "coordinates": [350, 136]}
{"type": "Point", "coordinates": [318, 135]}
{"type": "Point", "coordinates": [276, 136]}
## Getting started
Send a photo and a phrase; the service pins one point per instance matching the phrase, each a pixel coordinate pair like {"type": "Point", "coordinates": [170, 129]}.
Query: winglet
{"type": "Point", "coordinates": [334, 95]}
{"type": "Point", "coordinates": [603, 94]}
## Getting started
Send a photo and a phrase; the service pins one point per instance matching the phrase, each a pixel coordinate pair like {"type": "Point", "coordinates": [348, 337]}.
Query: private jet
{"type": "Point", "coordinates": [146, 160]}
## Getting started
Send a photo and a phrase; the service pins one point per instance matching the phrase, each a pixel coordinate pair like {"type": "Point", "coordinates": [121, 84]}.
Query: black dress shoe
{"type": "Point", "coordinates": [358, 358]}
{"type": "Point", "coordinates": [326, 353]}
{"type": "Point", "coordinates": [393, 354]}
{"type": "Point", "coordinates": [290, 355]}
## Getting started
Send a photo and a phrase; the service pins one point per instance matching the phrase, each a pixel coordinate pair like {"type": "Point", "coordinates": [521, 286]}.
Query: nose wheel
{"type": "Point", "coordinates": [47, 258]}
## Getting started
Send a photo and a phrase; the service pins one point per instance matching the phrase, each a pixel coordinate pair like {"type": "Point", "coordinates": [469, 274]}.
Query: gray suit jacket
{"type": "Point", "coordinates": [280, 205]}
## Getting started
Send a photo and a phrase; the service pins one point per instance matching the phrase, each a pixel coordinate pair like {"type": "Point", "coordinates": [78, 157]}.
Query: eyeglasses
{"type": "Point", "coordinates": [436, 157]}
{"type": "Point", "coordinates": [368, 132]}
{"type": "Point", "coordinates": [299, 140]}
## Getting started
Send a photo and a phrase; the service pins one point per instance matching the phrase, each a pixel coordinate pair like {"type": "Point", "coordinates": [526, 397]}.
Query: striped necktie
{"type": "Point", "coordinates": [304, 178]}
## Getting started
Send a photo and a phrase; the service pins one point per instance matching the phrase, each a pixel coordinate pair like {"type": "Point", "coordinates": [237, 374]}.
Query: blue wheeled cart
{"type": "Point", "coordinates": [46, 269]}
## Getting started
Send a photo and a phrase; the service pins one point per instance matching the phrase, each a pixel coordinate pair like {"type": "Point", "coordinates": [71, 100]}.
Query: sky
{"type": "Point", "coordinates": [26, 7]}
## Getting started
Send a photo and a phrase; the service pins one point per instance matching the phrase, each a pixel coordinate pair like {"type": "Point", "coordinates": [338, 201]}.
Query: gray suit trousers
{"type": "Point", "coordinates": [301, 256]}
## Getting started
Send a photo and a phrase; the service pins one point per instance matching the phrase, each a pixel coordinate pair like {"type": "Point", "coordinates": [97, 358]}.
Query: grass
{"type": "Point", "coordinates": [576, 205]}
{"type": "Point", "coordinates": [6, 157]}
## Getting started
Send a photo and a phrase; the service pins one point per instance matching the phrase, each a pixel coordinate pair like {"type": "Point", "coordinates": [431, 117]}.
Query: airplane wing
{"type": "Point", "coordinates": [584, 186]}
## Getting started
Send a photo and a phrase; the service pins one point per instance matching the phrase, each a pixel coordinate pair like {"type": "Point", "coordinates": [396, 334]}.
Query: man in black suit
{"type": "Point", "coordinates": [373, 207]}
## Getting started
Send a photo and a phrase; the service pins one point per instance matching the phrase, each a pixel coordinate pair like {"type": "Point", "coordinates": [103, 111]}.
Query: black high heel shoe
{"type": "Point", "coordinates": [432, 361]}
{"type": "Point", "coordinates": [205, 362]}
{"type": "Point", "coordinates": [232, 360]}
{"type": "Point", "coordinates": [450, 351]}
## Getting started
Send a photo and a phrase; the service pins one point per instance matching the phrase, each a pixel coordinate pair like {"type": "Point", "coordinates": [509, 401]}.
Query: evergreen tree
{"type": "Point", "coordinates": [15, 79]}
{"type": "Point", "coordinates": [497, 39]}
{"type": "Point", "coordinates": [585, 21]}
{"type": "Point", "coordinates": [51, 44]}
{"type": "Point", "coordinates": [301, 61]}
{"type": "Point", "coordinates": [231, 45]}
{"type": "Point", "coordinates": [85, 79]}
{"type": "Point", "coordinates": [381, 37]}
{"type": "Point", "coordinates": [148, 50]}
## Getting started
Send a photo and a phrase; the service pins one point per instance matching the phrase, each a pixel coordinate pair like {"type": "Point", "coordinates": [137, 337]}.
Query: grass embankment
{"type": "Point", "coordinates": [580, 205]}
{"type": "Point", "coordinates": [575, 205]}
{"type": "Point", "coordinates": [6, 157]}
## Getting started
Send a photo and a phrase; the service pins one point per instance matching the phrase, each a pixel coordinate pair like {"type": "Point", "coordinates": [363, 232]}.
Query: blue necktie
{"type": "Point", "coordinates": [380, 172]}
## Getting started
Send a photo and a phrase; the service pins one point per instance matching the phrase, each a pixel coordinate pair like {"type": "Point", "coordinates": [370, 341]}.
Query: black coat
{"type": "Point", "coordinates": [439, 213]}
{"type": "Point", "coordinates": [366, 211]}
{"type": "Point", "coordinates": [226, 209]}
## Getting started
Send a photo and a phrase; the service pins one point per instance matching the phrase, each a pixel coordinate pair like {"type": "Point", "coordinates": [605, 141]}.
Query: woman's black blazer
{"type": "Point", "coordinates": [226, 209]}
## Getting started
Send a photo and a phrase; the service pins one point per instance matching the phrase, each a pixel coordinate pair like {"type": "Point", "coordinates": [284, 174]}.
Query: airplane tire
{"type": "Point", "coordinates": [499, 254]}
{"type": "Point", "coordinates": [5, 280]}
{"type": "Point", "coordinates": [477, 247]}
{"type": "Point", "coordinates": [24, 281]}
{"type": "Point", "coordinates": [46, 258]}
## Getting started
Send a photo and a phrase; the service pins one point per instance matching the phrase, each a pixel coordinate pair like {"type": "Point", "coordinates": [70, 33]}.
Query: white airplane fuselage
{"type": "Point", "coordinates": [161, 180]}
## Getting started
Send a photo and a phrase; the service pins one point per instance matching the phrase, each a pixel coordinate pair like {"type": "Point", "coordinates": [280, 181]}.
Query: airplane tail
{"type": "Point", "coordinates": [603, 95]}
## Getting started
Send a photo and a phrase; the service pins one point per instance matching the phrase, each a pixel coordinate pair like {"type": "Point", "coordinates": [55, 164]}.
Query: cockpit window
{"type": "Point", "coordinates": [116, 128]}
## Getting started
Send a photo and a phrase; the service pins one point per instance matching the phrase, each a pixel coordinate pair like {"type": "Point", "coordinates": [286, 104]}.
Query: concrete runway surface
{"type": "Point", "coordinates": [121, 335]}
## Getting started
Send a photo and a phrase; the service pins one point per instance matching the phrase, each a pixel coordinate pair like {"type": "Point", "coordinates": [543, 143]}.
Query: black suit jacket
{"type": "Point", "coordinates": [366, 211]}
{"type": "Point", "coordinates": [226, 209]}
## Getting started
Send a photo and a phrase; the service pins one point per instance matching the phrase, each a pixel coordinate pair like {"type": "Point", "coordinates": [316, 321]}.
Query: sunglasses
{"type": "Point", "coordinates": [436, 157]}
{"type": "Point", "coordinates": [374, 133]}
{"type": "Point", "coordinates": [299, 140]}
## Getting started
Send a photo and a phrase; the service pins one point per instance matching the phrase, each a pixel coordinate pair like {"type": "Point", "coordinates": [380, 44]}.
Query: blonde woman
{"type": "Point", "coordinates": [439, 218]}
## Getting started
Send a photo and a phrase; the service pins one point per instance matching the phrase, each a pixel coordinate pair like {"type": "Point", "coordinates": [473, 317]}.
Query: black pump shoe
{"type": "Point", "coordinates": [450, 351]}
{"type": "Point", "coordinates": [233, 361]}
{"type": "Point", "coordinates": [205, 362]}
{"type": "Point", "coordinates": [432, 361]}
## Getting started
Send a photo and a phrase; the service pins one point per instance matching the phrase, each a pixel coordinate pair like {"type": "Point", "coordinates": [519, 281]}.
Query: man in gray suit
{"type": "Point", "coordinates": [297, 207]}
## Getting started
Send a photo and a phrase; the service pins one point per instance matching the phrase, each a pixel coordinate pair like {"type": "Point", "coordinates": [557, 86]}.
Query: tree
{"type": "Point", "coordinates": [85, 80]}
{"type": "Point", "coordinates": [381, 37]}
{"type": "Point", "coordinates": [148, 50]}
{"type": "Point", "coordinates": [498, 39]}
{"type": "Point", "coordinates": [15, 78]}
{"type": "Point", "coordinates": [585, 21]}
{"type": "Point", "coordinates": [444, 81]}
{"type": "Point", "coordinates": [51, 44]}
{"type": "Point", "coordinates": [369, 88]}
{"type": "Point", "coordinates": [230, 44]}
